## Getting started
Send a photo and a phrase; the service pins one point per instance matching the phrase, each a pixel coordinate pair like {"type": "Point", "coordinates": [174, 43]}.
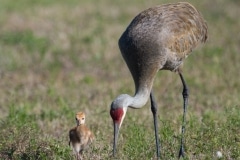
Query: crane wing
{"type": "Point", "coordinates": [187, 29]}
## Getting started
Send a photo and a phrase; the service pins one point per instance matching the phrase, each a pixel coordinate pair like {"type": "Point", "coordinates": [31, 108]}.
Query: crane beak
{"type": "Point", "coordinates": [117, 116]}
{"type": "Point", "coordinates": [116, 131]}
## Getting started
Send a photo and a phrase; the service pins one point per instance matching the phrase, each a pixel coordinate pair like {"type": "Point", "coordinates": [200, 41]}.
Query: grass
{"type": "Point", "coordinates": [61, 57]}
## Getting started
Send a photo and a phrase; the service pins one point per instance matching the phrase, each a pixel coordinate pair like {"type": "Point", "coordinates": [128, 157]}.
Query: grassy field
{"type": "Point", "coordinates": [59, 57]}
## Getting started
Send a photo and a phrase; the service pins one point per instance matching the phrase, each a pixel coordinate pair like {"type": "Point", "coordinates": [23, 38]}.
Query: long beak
{"type": "Point", "coordinates": [116, 130]}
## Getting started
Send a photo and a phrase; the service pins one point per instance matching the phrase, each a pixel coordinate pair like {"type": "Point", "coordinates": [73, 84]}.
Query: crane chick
{"type": "Point", "coordinates": [80, 136]}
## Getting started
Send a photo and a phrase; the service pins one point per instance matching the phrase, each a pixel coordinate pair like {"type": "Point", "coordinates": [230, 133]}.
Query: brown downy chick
{"type": "Point", "coordinates": [80, 136]}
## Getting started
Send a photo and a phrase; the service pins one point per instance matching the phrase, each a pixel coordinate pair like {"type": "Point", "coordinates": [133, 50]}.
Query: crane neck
{"type": "Point", "coordinates": [137, 101]}
{"type": "Point", "coordinates": [140, 98]}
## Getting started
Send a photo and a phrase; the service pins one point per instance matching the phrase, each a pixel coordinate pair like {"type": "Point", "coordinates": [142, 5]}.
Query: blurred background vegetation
{"type": "Point", "coordinates": [61, 57]}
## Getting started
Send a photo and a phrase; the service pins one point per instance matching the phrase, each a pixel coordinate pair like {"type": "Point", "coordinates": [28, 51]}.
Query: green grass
{"type": "Point", "coordinates": [61, 57]}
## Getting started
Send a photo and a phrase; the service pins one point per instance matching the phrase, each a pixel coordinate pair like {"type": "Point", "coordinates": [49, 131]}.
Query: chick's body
{"type": "Point", "coordinates": [80, 136]}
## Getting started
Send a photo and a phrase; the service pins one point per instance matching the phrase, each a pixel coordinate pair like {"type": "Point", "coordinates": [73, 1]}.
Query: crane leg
{"type": "Point", "coordinates": [154, 112]}
{"type": "Point", "coordinates": [185, 103]}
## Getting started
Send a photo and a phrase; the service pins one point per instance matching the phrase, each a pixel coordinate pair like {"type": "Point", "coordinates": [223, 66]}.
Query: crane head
{"type": "Point", "coordinates": [118, 111]}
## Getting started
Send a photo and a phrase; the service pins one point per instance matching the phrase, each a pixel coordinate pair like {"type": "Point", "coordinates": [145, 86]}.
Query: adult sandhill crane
{"type": "Point", "coordinates": [159, 38]}
{"type": "Point", "coordinates": [80, 136]}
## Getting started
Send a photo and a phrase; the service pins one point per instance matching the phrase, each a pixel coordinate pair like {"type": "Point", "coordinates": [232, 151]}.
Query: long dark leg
{"type": "Point", "coordinates": [154, 112]}
{"type": "Point", "coordinates": [185, 103]}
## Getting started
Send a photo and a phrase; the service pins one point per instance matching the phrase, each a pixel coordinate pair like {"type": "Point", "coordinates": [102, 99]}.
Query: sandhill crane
{"type": "Point", "coordinates": [159, 38]}
{"type": "Point", "coordinates": [80, 136]}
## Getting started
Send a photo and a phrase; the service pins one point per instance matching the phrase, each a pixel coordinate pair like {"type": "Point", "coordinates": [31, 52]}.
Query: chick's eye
{"type": "Point", "coordinates": [82, 118]}
{"type": "Point", "coordinates": [76, 119]}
